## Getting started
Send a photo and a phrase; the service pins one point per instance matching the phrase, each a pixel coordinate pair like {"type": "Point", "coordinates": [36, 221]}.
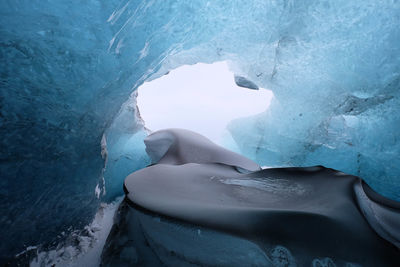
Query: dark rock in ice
{"type": "Point", "coordinates": [300, 216]}
{"type": "Point", "coordinates": [243, 82]}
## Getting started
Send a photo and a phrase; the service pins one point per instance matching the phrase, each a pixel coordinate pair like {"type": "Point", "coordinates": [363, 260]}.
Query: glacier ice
{"type": "Point", "coordinates": [312, 211]}
{"type": "Point", "coordinates": [145, 239]}
{"type": "Point", "coordinates": [175, 244]}
{"type": "Point", "coordinates": [125, 149]}
{"type": "Point", "coordinates": [68, 67]}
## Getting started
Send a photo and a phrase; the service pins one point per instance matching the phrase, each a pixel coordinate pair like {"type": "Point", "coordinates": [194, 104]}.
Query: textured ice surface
{"type": "Point", "coordinates": [66, 68]}
{"type": "Point", "coordinates": [125, 148]}
{"type": "Point", "coordinates": [269, 184]}
{"type": "Point", "coordinates": [60, 90]}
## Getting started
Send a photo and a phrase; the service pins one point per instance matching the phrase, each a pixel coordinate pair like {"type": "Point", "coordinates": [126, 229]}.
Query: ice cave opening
{"type": "Point", "coordinates": [203, 98]}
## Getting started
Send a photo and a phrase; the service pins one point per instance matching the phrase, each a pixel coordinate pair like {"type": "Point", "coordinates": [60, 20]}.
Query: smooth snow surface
{"type": "Point", "coordinates": [201, 97]}
{"type": "Point", "coordinates": [180, 146]}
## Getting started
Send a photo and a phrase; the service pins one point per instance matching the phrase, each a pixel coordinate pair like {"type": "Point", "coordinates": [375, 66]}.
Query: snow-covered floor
{"type": "Point", "coordinates": [90, 242]}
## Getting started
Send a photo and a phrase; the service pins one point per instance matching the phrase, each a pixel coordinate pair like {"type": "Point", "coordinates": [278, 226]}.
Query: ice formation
{"type": "Point", "coordinates": [67, 68]}
{"type": "Point", "coordinates": [312, 211]}
{"type": "Point", "coordinates": [181, 146]}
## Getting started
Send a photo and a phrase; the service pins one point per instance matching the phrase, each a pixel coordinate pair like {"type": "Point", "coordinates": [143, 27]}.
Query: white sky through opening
{"type": "Point", "coordinates": [203, 98]}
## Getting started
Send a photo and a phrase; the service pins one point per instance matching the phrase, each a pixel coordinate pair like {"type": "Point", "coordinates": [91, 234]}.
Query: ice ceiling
{"type": "Point", "coordinates": [68, 69]}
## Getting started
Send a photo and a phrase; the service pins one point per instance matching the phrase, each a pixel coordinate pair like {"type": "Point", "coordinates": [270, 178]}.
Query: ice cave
{"type": "Point", "coordinates": [309, 88]}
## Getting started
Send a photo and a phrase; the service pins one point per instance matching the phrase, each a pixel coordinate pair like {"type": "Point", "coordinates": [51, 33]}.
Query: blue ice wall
{"type": "Point", "coordinates": [123, 148]}
{"type": "Point", "coordinates": [334, 68]}
{"type": "Point", "coordinates": [68, 66]}
{"type": "Point", "coordinates": [60, 90]}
